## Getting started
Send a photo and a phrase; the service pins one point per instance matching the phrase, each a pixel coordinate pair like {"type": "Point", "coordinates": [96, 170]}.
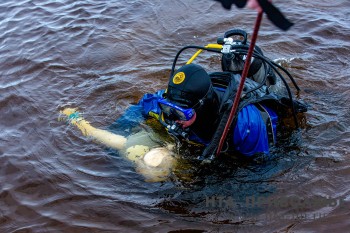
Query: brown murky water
{"type": "Point", "coordinates": [102, 56]}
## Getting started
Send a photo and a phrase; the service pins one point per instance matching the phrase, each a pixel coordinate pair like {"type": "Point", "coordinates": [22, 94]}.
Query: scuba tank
{"type": "Point", "coordinates": [233, 61]}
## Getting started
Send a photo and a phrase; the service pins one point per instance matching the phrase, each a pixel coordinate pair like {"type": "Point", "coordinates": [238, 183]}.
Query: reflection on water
{"type": "Point", "coordinates": [102, 56]}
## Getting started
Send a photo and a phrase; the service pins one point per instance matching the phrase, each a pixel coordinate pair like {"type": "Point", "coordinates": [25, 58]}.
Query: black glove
{"type": "Point", "coordinates": [272, 12]}
{"type": "Point", "coordinates": [228, 3]}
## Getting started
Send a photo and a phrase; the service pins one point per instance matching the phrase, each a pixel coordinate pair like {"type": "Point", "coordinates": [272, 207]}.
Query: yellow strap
{"type": "Point", "coordinates": [154, 115]}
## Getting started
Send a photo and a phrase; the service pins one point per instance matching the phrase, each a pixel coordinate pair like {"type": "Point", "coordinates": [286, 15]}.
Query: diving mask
{"type": "Point", "coordinates": [174, 111]}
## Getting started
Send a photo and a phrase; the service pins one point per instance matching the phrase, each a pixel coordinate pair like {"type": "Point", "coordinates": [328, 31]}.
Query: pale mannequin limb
{"type": "Point", "coordinates": [103, 136]}
{"type": "Point", "coordinates": [155, 164]}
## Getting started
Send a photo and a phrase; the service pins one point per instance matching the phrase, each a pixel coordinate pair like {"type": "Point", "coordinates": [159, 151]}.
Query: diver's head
{"type": "Point", "coordinates": [190, 97]}
{"type": "Point", "coordinates": [189, 85]}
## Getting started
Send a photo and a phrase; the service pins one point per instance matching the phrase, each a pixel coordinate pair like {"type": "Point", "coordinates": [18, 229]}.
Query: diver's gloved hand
{"type": "Point", "coordinates": [273, 13]}
{"type": "Point", "coordinates": [228, 3]}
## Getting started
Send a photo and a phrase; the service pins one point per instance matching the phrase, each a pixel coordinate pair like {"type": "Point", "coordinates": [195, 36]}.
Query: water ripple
{"type": "Point", "coordinates": [102, 56]}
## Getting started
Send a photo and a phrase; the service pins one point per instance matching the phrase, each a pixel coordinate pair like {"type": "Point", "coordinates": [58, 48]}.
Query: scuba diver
{"type": "Point", "coordinates": [190, 110]}
{"type": "Point", "coordinates": [195, 106]}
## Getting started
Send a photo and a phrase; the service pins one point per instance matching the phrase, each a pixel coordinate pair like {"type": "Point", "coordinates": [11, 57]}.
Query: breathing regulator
{"type": "Point", "coordinates": [234, 52]}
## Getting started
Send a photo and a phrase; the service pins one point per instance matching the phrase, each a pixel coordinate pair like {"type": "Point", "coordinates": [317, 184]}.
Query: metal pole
{"type": "Point", "coordinates": [241, 84]}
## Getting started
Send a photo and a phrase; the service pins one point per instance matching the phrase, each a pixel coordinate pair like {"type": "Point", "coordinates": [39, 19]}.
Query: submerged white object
{"type": "Point", "coordinates": [156, 156]}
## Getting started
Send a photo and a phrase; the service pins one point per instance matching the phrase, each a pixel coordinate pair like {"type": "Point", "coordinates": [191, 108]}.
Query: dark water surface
{"type": "Point", "coordinates": [102, 56]}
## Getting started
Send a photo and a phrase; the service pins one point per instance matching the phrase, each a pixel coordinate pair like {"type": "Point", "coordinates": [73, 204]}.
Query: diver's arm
{"type": "Point", "coordinates": [102, 136]}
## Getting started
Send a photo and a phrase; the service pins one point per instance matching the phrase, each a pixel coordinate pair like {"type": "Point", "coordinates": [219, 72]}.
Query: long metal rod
{"type": "Point", "coordinates": [241, 84]}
